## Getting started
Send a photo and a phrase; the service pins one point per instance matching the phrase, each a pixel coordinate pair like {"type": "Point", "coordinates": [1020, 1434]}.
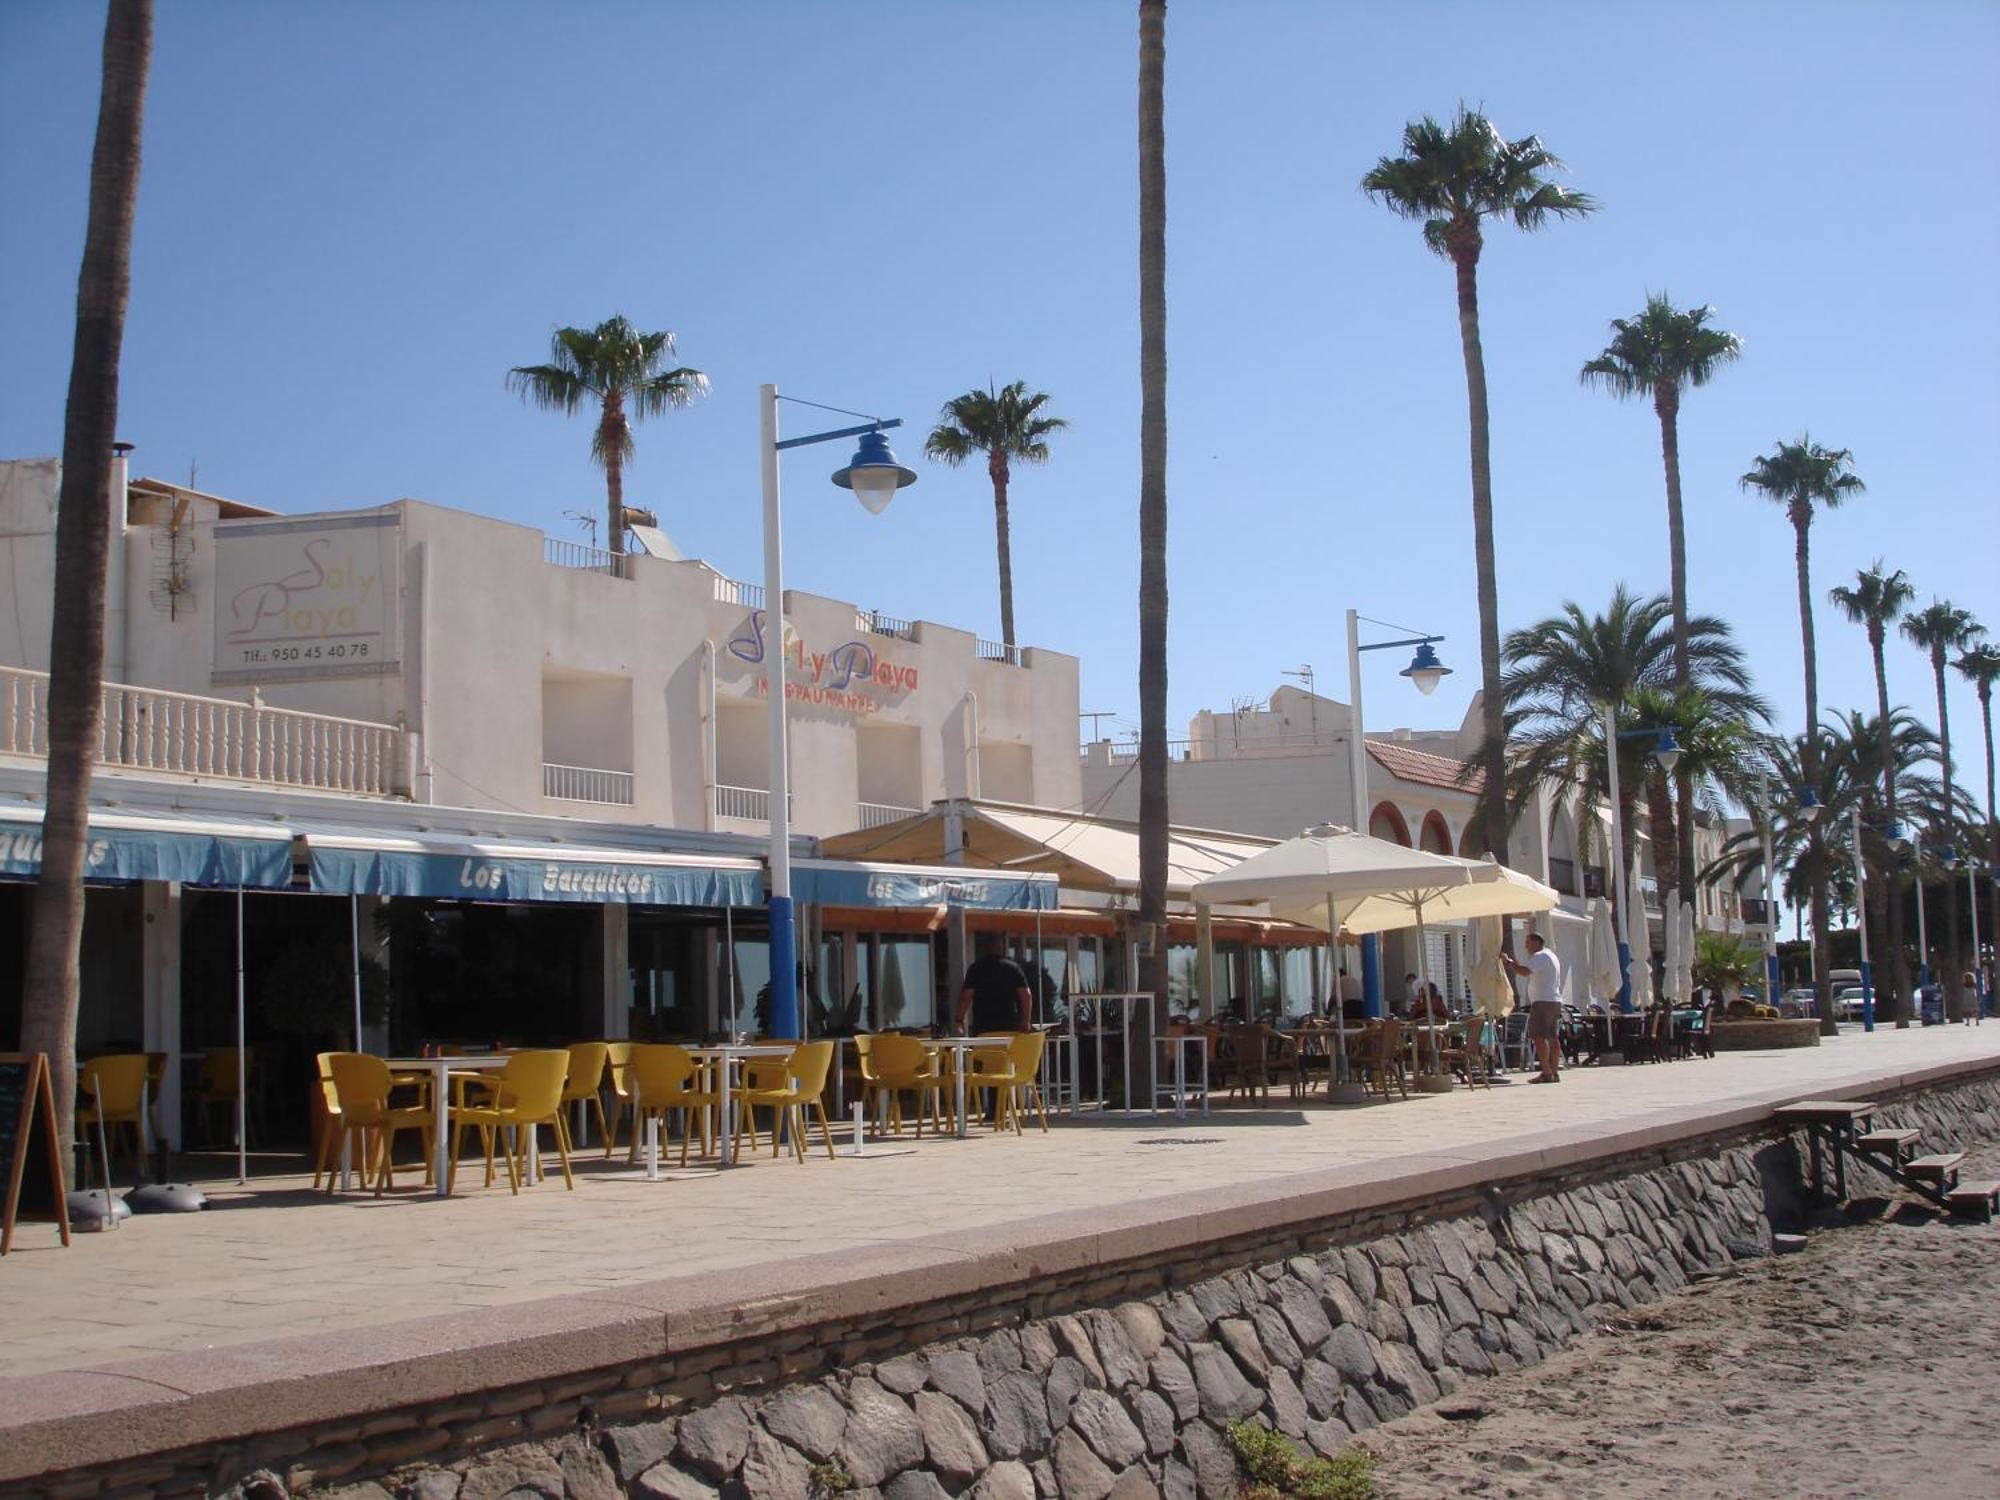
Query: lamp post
{"type": "Point", "coordinates": [874, 476]}
{"type": "Point", "coordinates": [1426, 671]}
{"type": "Point", "coordinates": [1771, 978]}
{"type": "Point", "coordinates": [1972, 868]}
{"type": "Point", "coordinates": [1667, 752]}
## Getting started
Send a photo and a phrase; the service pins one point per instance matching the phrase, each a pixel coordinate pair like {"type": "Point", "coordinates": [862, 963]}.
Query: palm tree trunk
{"type": "Point", "coordinates": [996, 470]}
{"type": "Point", "coordinates": [1815, 840]}
{"type": "Point", "coordinates": [610, 438]}
{"type": "Point", "coordinates": [1153, 811]}
{"type": "Point", "coordinates": [1666, 841]}
{"type": "Point", "coordinates": [1954, 959]}
{"type": "Point", "coordinates": [1667, 404]}
{"type": "Point", "coordinates": [83, 539]}
{"type": "Point", "coordinates": [1493, 809]}
{"type": "Point", "coordinates": [1992, 822]}
{"type": "Point", "coordinates": [1899, 963]}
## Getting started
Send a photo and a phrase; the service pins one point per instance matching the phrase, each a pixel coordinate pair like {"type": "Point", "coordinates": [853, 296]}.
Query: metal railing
{"type": "Point", "coordinates": [874, 622]}
{"type": "Point", "coordinates": [586, 784]}
{"type": "Point", "coordinates": [1176, 750]}
{"type": "Point", "coordinates": [875, 814]}
{"type": "Point", "coordinates": [1757, 912]}
{"type": "Point", "coordinates": [995, 651]}
{"type": "Point", "coordinates": [561, 553]}
{"type": "Point", "coordinates": [729, 591]}
{"type": "Point", "coordinates": [750, 802]}
{"type": "Point", "coordinates": [149, 729]}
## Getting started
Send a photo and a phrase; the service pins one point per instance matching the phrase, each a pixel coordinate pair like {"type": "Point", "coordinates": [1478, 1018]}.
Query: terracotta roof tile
{"type": "Point", "coordinates": [1424, 768]}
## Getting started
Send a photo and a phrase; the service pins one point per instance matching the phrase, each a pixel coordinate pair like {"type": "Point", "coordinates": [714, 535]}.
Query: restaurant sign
{"type": "Point", "coordinates": [485, 875]}
{"type": "Point", "coordinates": [851, 678]}
{"type": "Point", "coordinates": [316, 597]}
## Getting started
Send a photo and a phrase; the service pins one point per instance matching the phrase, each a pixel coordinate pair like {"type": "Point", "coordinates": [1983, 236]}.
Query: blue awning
{"type": "Point", "coordinates": [157, 846]}
{"type": "Point", "coordinates": [464, 869]}
{"type": "Point", "coordinates": [839, 882]}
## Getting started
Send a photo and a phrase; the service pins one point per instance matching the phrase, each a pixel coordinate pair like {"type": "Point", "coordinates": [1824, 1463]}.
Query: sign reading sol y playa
{"type": "Point", "coordinates": [317, 597]}
{"type": "Point", "coordinates": [848, 678]}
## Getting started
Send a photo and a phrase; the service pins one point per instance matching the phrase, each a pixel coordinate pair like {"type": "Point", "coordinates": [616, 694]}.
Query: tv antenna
{"type": "Point", "coordinates": [586, 523]}
{"type": "Point", "coordinates": [1096, 716]}
{"type": "Point", "coordinates": [1305, 675]}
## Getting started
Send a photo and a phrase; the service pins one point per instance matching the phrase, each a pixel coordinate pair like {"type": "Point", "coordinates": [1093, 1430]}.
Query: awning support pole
{"type": "Point", "coordinates": [354, 936]}
{"type": "Point", "coordinates": [242, 1061]}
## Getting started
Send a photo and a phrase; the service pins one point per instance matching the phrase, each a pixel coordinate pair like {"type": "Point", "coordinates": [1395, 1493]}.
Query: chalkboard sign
{"type": "Point", "coordinates": [24, 1085]}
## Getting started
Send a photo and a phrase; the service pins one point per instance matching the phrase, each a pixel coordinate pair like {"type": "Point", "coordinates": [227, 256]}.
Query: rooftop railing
{"type": "Point", "coordinates": [874, 622]}
{"type": "Point", "coordinates": [747, 595]}
{"type": "Point", "coordinates": [559, 552]}
{"type": "Point", "coordinates": [995, 651]}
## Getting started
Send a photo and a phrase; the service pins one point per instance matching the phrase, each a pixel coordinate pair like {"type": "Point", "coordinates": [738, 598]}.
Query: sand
{"type": "Point", "coordinates": [1866, 1365]}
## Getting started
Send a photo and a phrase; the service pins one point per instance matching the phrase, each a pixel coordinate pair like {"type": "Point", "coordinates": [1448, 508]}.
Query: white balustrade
{"type": "Point", "coordinates": [586, 784]}
{"type": "Point", "coordinates": [559, 552]}
{"type": "Point", "coordinates": [876, 814]}
{"type": "Point", "coordinates": [747, 595]}
{"type": "Point", "coordinates": [747, 802]}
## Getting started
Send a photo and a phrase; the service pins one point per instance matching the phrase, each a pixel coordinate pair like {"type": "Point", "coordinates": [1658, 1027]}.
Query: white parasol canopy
{"type": "Point", "coordinates": [1604, 975]}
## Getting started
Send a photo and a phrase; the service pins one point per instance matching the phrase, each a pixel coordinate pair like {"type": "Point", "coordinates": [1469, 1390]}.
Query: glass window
{"type": "Point", "coordinates": [1182, 968]}
{"type": "Point", "coordinates": [906, 997]}
{"type": "Point", "coordinates": [1301, 967]}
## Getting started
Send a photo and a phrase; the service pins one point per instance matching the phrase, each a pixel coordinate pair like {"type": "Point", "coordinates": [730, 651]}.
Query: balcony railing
{"type": "Point", "coordinates": [1757, 912]}
{"type": "Point", "coordinates": [586, 784]}
{"type": "Point", "coordinates": [752, 803]}
{"type": "Point", "coordinates": [874, 622]}
{"type": "Point", "coordinates": [729, 591]}
{"type": "Point", "coordinates": [182, 734]}
{"type": "Point", "coordinates": [995, 651]}
{"type": "Point", "coordinates": [1176, 750]}
{"type": "Point", "coordinates": [561, 553]}
{"type": "Point", "coordinates": [875, 814]}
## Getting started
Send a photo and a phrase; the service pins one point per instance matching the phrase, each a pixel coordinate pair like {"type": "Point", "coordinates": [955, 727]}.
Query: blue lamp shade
{"type": "Point", "coordinates": [1809, 805]}
{"type": "Point", "coordinates": [1948, 857]}
{"type": "Point", "coordinates": [1898, 837]}
{"type": "Point", "coordinates": [1425, 670]}
{"type": "Point", "coordinates": [873, 473]}
{"type": "Point", "coordinates": [1667, 750]}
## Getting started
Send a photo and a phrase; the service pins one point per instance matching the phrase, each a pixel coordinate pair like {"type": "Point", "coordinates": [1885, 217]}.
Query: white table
{"type": "Point", "coordinates": [1179, 1045]}
{"type": "Point", "coordinates": [439, 1068]}
{"type": "Point", "coordinates": [1125, 1001]}
{"type": "Point", "coordinates": [728, 1056]}
{"type": "Point", "coordinates": [962, 1045]}
{"type": "Point", "coordinates": [1061, 1083]}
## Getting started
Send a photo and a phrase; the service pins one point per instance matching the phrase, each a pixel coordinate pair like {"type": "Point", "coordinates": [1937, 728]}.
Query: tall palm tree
{"type": "Point", "coordinates": [1980, 665]}
{"type": "Point", "coordinates": [1875, 601]}
{"type": "Point", "coordinates": [1153, 490]}
{"type": "Point", "coordinates": [1938, 629]}
{"type": "Point", "coordinates": [1800, 476]}
{"type": "Point", "coordinates": [1007, 425]}
{"type": "Point", "coordinates": [83, 539]}
{"type": "Point", "coordinates": [626, 373]}
{"type": "Point", "coordinates": [1452, 178]}
{"type": "Point", "coordinates": [1659, 354]}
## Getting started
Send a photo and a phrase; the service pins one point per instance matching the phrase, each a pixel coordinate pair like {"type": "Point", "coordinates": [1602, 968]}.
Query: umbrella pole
{"type": "Point", "coordinates": [1339, 1006]}
{"type": "Point", "coordinates": [242, 1064]}
{"type": "Point", "coordinates": [1423, 990]}
{"type": "Point", "coordinates": [354, 937]}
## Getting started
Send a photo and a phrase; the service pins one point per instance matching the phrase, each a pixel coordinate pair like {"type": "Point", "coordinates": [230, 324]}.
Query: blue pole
{"type": "Point", "coordinates": [1771, 980]}
{"type": "Point", "coordinates": [1867, 994]}
{"type": "Point", "coordinates": [1625, 977]}
{"type": "Point", "coordinates": [1371, 977]}
{"type": "Point", "coordinates": [784, 978]}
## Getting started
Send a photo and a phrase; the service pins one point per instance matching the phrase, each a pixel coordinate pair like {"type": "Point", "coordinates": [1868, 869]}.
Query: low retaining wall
{"type": "Point", "coordinates": [1105, 1381]}
{"type": "Point", "coordinates": [1761, 1036]}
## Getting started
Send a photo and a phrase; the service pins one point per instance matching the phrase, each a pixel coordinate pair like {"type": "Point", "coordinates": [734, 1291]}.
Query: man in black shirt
{"type": "Point", "coordinates": [995, 994]}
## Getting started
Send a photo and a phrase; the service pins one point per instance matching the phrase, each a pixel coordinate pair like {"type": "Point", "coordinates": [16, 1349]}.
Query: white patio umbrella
{"type": "Point", "coordinates": [1604, 975]}
{"type": "Point", "coordinates": [1640, 938]}
{"type": "Point", "coordinates": [1319, 878]}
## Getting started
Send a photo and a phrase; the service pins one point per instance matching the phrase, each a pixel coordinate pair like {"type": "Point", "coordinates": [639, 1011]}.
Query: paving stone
{"type": "Point", "coordinates": [1360, 1274]}
{"type": "Point", "coordinates": [668, 1481]}
{"type": "Point", "coordinates": [1045, 1479]}
{"type": "Point", "coordinates": [1300, 1304]}
{"type": "Point", "coordinates": [1074, 1340]}
{"type": "Point", "coordinates": [1177, 1481]}
{"type": "Point", "coordinates": [1286, 1403]}
{"type": "Point", "coordinates": [1225, 1395]}
{"type": "Point", "coordinates": [905, 1375]}
{"type": "Point", "coordinates": [1009, 1479]}
{"type": "Point", "coordinates": [1184, 1318]}
{"type": "Point", "coordinates": [636, 1448]}
{"type": "Point", "coordinates": [956, 1373]}
{"type": "Point", "coordinates": [1134, 1484]}
{"type": "Point", "coordinates": [1066, 1378]}
{"type": "Point", "coordinates": [1464, 1353]}
{"type": "Point", "coordinates": [1352, 1352]}
{"type": "Point", "coordinates": [1156, 1421]}
{"type": "Point", "coordinates": [1423, 1284]}
{"type": "Point", "coordinates": [1327, 1438]}
{"type": "Point", "coordinates": [810, 1419]}
{"type": "Point", "coordinates": [1239, 1337]}
{"type": "Point", "coordinates": [366, 1489]}
{"type": "Point", "coordinates": [1454, 1251]}
{"type": "Point", "coordinates": [1216, 1298]}
{"type": "Point", "coordinates": [1501, 1284]}
{"type": "Point", "coordinates": [1343, 1305]}
{"type": "Point", "coordinates": [1319, 1383]}
{"type": "Point", "coordinates": [1388, 1324]}
{"type": "Point", "coordinates": [1120, 1361]}
{"type": "Point", "coordinates": [1356, 1412]}
{"type": "Point", "coordinates": [1000, 1352]}
{"type": "Point", "coordinates": [771, 1471]}
{"type": "Point", "coordinates": [1402, 1370]}
{"type": "Point", "coordinates": [1275, 1334]}
{"type": "Point", "coordinates": [432, 1484]}
{"type": "Point", "coordinates": [1388, 1251]}
{"type": "Point", "coordinates": [1143, 1328]}
{"type": "Point", "coordinates": [1101, 1420]}
{"type": "Point", "coordinates": [586, 1476]}
{"type": "Point", "coordinates": [1455, 1305]}
{"type": "Point", "coordinates": [1175, 1381]}
{"type": "Point", "coordinates": [1214, 1465]}
{"type": "Point", "coordinates": [1038, 1349]}
{"type": "Point", "coordinates": [715, 1437]}
{"type": "Point", "coordinates": [1395, 1287]}
{"type": "Point", "coordinates": [1017, 1417]}
{"type": "Point", "coordinates": [1305, 1268]}
{"type": "Point", "coordinates": [526, 1469]}
{"type": "Point", "coordinates": [1426, 1334]}
{"type": "Point", "coordinates": [882, 1437]}
{"type": "Point", "coordinates": [1080, 1473]}
{"type": "Point", "coordinates": [951, 1441]}
{"type": "Point", "coordinates": [916, 1484]}
{"type": "Point", "coordinates": [1389, 1404]}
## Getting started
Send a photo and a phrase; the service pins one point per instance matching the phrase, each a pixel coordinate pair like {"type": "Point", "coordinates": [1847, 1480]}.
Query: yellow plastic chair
{"type": "Point", "coordinates": [900, 1064]}
{"type": "Point", "coordinates": [1015, 1076]}
{"type": "Point", "coordinates": [117, 1089]}
{"type": "Point", "coordinates": [661, 1078]}
{"type": "Point", "coordinates": [804, 1088]}
{"type": "Point", "coordinates": [617, 1057]}
{"type": "Point", "coordinates": [362, 1084]}
{"type": "Point", "coordinates": [528, 1094]}
{"type": "Point", "coordinates": [587, 1062]}
{"type": "Point", "coordinates": [217, 1085]}
{"type": "Point", "coordinates": [328, 1154]}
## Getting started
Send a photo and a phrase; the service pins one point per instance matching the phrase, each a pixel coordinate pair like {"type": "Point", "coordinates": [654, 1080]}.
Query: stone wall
{"type": "Point", "coordinates": [1118, 1385]}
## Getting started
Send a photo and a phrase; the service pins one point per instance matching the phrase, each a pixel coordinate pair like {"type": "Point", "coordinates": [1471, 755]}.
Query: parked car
{"type": "Point", "coordinates": [1797, 1003]}
{"type": "Point", "coordinates": [1850, 1000]}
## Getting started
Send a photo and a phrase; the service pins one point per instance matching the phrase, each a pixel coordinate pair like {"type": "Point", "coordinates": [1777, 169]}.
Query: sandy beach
{"type": "Point", "coordinates": [1861, 1366]}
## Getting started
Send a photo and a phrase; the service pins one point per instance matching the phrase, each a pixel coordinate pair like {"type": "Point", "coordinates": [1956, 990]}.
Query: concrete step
{"type": "Point", "coordinates": [1887, 1142]}
{"type": "Point", "coordinates": [1975, 1198]}
{"type": "Point", "coordinates": [1941, 1169]}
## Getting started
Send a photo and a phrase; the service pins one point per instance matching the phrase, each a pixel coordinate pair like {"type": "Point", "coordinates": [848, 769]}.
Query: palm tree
{"type": "Point", "coordinates": [83, 539]}
{"type": "Point", "coordinates": [1452, 179]}
{"type": "Point", "coordinates": [1153, 491]}
{"type": "Point", "coordinates": [1006, 425]}
{"type": "Point", "coordinates": [1659, 354]}
{"type": "Point", "coordinates": [1980, 665]}
{"type": "Point", "coordinates": [1800, 476]}
{"type": "Point", "coordinates": [625, 372]}
{"type": "Point", "coordinates": [1939, 628]}
{"type": "Point", "coordinates": [1875, 601]}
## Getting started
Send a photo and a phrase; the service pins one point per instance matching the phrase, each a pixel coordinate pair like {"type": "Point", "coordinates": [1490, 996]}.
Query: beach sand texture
{"type": "Point", "coordinates": [1866, 1365]}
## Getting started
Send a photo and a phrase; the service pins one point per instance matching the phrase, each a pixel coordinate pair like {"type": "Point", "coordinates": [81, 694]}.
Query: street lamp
{"type": "Point", "coordinates": [1666, 752]}
{"type": "Point", "coordinates": [874, 476]}
{"type": "Point", "coordinates": [1426, 671]}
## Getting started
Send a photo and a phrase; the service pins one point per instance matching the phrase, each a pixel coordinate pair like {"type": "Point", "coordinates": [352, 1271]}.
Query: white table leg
{"type": "Point", "coordinates": [1204, 1078]}
{"type": "Point", "coordinates": [1180, 1078]}
{"type": "Point", "coordinates": [728, 1142]}
{"type": "Point", "coordinates": [961, 1092]}
{"type": "Point", "coordinates": [440, 1131]}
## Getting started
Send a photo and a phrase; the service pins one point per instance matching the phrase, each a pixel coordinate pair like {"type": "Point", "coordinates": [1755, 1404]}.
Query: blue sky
{"type": "Point", "coordinates": [354, 218]}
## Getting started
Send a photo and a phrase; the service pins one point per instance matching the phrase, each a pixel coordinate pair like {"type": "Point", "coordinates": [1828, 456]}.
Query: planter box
{"type": "Point", "coordinates": [1760, 1036]}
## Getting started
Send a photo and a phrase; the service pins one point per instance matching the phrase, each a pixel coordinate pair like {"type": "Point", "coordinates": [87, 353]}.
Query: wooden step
{"type": "Point", "coordinates": [1824, 1112]}
{"type": "Point", "coordinates": [1889, 1142]}
{"type": "Point", "coordinates": [1942, 1168]}
{"type": "Point", "coordinates": [1973, 1198]}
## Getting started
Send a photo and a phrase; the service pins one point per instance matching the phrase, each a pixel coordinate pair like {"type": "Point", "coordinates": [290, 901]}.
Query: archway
{"type": "Point", "coordinates": [1386, 822]}
{"type": "Point", "coordinates": [1435, 836]}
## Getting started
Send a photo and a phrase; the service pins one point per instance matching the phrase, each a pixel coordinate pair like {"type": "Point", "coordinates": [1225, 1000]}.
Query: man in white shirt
{"type": "Point", "coordinates": [1543, 971]}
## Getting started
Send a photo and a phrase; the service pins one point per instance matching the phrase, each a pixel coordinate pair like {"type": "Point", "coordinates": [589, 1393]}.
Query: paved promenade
{"type": "Point", "coordinates": [279, 1263]}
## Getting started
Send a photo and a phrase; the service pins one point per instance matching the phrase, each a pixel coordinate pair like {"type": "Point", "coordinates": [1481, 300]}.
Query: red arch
{"type": "Point", "coordinates": [1471, 843]}
{"type": "Point", "coordinates": [1435, 835]}
{"type": "Point", "coordinates": [1398, 829]}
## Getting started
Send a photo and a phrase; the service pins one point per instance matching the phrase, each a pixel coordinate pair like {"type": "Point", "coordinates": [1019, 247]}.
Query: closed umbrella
{"type": "Point", "coordinates": [1604, 975]}
{"type": "Point", "coordinates": [1639, 937]}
